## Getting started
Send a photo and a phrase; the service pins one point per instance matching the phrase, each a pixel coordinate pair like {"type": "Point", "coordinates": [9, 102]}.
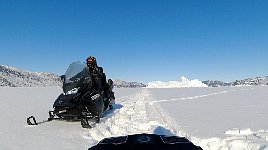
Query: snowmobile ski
{"type": "Point", "coordinates": [32, 121]}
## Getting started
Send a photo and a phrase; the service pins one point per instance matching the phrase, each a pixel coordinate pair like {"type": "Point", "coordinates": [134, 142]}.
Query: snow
{"type": "Point", "coordinates": [176, 84]}
{"type": "Point", "coordinates": [224, 118]}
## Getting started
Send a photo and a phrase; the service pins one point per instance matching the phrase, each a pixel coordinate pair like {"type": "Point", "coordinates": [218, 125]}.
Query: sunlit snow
{"type": "Point", "coordinates": [225, 118]}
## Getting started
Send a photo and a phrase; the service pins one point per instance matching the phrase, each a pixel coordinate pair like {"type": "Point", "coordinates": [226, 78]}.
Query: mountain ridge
{"type": "Point", "coordinates": [16, 77]}
{"type": "Point", "coordinates": [255, 81]}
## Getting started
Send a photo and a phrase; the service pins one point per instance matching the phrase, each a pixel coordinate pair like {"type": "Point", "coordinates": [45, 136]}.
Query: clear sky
{"type": "Point", "coordinates": [138, 40]}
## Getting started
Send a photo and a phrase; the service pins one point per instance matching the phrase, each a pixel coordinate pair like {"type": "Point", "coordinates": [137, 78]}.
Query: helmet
{"type": "Point", "coordinates": [91, 60]}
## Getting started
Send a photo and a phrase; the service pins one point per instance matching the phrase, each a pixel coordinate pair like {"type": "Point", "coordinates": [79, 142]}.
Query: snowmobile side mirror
{"type": "Point", "coordinates": [62, 77]}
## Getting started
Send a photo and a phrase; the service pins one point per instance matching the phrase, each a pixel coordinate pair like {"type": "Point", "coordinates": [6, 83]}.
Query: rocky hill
{"type": "Point", "coordinates": [244, 82]}
{"type": "Point", "coordinates": [15, 77]}
{"type": "Point", "coordinates": [251, 81]}
{"type": "Point", "coordinates": [216, 83]}
{"type": "Point", "coordinates": [120, 83]}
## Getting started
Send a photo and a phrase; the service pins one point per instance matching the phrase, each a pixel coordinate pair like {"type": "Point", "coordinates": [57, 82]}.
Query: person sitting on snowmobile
{"type": "Point", "coordinates": [99, 79]}
{"type": "Point", "coordinates": [96, 74]}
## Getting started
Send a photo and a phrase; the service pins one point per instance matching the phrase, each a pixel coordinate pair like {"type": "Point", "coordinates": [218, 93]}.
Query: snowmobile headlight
{"type": "Point", "coordinates": [72, 91]}
{"type": "Point", "coordinates": [63, 111]}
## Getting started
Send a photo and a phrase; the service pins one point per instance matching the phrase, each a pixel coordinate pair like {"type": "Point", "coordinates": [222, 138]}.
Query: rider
{"type": "Point", "coordinates": [96, 73]}
{"type": "Point", "coordinates": [99, 79]}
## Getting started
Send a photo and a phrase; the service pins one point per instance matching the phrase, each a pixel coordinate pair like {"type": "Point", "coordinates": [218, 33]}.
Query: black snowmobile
{"type": "Point", "coordinates": [79, 102]}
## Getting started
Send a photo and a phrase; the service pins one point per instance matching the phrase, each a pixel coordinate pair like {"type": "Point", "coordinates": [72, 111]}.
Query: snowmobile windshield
{"type": "Point", "coordinates": [75, 71]}
{"type": "Point", "coordinates": [73, 76]}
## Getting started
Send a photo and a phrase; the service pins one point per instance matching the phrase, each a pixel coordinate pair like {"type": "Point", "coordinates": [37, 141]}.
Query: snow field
{"type": "Point", "coordinates": [195, 109]}
{"type": "Point", "coordinates": [194, 113]}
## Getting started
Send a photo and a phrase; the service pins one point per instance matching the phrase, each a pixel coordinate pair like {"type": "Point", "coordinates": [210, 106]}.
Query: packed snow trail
{"type": "Point", "coordinates": [135, 116]}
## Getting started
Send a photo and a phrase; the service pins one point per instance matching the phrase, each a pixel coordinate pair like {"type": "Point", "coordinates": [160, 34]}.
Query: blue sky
{"type": "Point", "coordinates": [141, 40]}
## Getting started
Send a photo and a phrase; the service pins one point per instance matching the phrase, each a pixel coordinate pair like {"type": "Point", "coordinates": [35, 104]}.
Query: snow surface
{"type": "Point", "coordinates": [176, 84]}
{"type": "Point", "coordinates": [226, 118]}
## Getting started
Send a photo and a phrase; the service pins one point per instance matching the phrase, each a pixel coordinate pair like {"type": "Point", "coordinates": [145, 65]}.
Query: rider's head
{"type": "Point", "coordinates": [91, 62]}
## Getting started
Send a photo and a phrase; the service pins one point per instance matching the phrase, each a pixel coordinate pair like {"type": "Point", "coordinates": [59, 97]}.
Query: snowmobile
{"type": "Point", "coordinates": [146, 142]}
{"type": "Point", "coordinates": [79, 102]}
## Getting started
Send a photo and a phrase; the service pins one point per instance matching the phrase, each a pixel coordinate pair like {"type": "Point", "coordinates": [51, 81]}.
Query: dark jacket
{"type": "Point", "coordinates": [97, 77]}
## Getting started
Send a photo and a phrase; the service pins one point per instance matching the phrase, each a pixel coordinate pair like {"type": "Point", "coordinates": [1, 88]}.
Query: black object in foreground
{"type": "Point", "coordinates": [146, 142]}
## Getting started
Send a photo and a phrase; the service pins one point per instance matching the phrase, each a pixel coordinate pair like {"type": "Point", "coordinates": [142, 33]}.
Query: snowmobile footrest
{"type": "Point", "coordinates": [85, 123]}
{"type": "Point", "coordinates": [51, 115]}
{"type": "Point", "coordinates": [29, 122]}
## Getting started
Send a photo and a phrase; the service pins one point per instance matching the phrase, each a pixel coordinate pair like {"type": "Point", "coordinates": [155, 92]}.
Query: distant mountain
{"type": "Point", "coordinates": [244, 82]}
{"type": "Point", "coordinates": [15, 77]}
{"type": "Point", "coordinates": [120, 83]}
{"type": "Point", "coordinates": [215, 83]}
{"type": "Point", "coordinates": [251, 81]}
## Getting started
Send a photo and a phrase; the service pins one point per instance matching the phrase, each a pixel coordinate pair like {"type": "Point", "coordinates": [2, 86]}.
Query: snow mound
{"type": "Point", "coordinates": [176, 84]}
{"type": "Point", "coordinates": [237, 132]}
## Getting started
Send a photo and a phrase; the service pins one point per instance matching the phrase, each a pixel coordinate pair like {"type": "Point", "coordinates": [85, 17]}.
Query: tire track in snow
{"type": "Point", "coordinates": [187, 98]}
{"type": "Point", "coordinates": [197, 96]}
